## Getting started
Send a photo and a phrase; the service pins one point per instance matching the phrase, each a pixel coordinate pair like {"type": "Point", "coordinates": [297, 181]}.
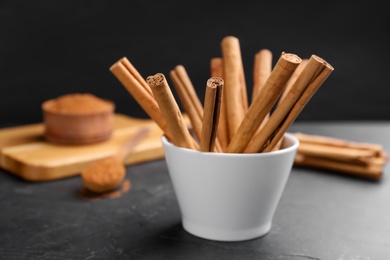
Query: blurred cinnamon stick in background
{"type": "Point", "coordinates": [359, 159]}
{"type": "Point", "coordinates": [235, 90]}
{"type": "Point", "coordinates": [262, 69]}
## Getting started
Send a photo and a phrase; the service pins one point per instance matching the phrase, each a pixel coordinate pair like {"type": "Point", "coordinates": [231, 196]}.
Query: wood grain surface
{"type": "Point", "coordinates": [25, 153]}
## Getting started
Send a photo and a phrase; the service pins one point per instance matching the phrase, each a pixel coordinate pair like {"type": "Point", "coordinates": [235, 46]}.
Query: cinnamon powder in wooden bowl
{"type": "Point", "coordinates": [78, 119]}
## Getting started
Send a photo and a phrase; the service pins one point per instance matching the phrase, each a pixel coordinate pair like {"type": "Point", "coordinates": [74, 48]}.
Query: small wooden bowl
{"type": "Point", "coordinates": [78, 119]}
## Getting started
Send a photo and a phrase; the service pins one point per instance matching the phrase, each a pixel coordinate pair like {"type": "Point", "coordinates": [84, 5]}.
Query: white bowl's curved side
{"type": "Point", "coordinates": [225, 196]}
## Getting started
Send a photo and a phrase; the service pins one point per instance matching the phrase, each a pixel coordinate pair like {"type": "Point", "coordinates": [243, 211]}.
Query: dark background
{"type": "Point", "coordinates": [50, 48]}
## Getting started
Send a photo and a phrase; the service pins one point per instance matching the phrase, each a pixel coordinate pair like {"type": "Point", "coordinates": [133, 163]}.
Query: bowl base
{"type": "Point", "coordinates": [225, 235]}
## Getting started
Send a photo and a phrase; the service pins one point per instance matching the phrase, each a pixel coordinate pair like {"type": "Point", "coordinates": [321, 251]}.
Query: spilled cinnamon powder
{"type": "Point", "coordinates": [86, 194]}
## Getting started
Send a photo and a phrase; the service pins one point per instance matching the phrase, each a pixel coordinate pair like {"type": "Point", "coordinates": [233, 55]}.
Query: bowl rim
{"type": "Point", "coordinates": [291, 148]}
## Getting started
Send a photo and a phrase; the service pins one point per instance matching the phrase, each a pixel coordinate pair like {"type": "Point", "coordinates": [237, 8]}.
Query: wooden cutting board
{"type": "Point", "coordinates": [24, 152]}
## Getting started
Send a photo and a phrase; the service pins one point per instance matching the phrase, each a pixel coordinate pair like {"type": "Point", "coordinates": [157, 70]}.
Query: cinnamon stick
{"type": "Point", "coordinates": [216, 70]}
{"type": "Point", "coordinates": [170, 110]}
{"type": "Point", "coordinates": [323, 152]}
{"type": "Point", "coordinates": [310, 72]}
{"type": "Point", "coordinates": [343, 154]}
{"type": "Point", "coordinates": [337, 142]}
{"type": "Point", "coordinates": [290, 83]}
{"type": "Point", "coordinates": [293, 78]}
{"type": "Point", "coordinates": [134, 72]}
{"type": "Point", "coordinates": [188, 98]}
{"type": "Point", "coordinates": [212, 107]}
{"type": "Point", "coordinates": [300, 104]}
{"type": "Point", "coordinates": [235, 91]}
{"type": "Point", "coordinates": [264, 101]}
{"type": "Point", "coordinates": [125, 72]}
{"type": "Point", "coordinates": [261, 70]}
{"type": "Point", "coordinates": [216, 67]}
{"type": "Point", "coordinates": [369, 171]}
{"type": "Point", "coordinates": [189, 88]}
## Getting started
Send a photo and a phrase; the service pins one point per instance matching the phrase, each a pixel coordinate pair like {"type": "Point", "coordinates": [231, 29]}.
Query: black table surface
{"type": "Point", "coordinates": [321, 215]}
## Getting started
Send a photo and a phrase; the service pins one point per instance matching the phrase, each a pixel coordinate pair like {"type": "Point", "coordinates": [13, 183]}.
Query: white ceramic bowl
{"type": "Point", "coordinates": [229, 197]}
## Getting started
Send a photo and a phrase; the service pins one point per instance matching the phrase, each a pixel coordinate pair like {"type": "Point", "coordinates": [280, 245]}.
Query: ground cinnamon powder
{"type": "Point", "coordinates": [78, 104]}
{"type": "Point", "coordinates": [78, 119]}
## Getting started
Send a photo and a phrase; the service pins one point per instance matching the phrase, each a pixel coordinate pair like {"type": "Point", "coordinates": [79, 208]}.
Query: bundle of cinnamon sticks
{"type": "Point", "coordinates": [227, 121]}
{"type": "Point", "coordinates": [365, 160]}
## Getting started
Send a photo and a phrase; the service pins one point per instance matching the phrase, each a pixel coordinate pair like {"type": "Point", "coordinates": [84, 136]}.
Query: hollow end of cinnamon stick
{"type": "Point", "coordinates": [170, 110]}
{"type": "Point", "coordinates": [155, 80]}
{"type": "Point", "coordinates": [319, 59]}
{"type": "Point", "coordinates": [291, 57]}
{"type": "Point", "coordinates": [214, 82]}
